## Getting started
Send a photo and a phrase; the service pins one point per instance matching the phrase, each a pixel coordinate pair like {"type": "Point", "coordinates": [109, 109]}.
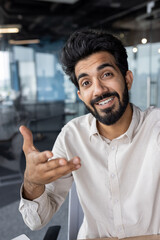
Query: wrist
{"type": "Point", "coordinates": [31, 190]}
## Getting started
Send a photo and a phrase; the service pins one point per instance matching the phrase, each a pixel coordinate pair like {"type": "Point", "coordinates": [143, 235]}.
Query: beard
{"type": "Point", "coordinates": [109, 116]}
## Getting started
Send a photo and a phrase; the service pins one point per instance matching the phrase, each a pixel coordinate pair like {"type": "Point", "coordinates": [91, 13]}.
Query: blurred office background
{"type": "Point", "coordinates": [34, 90]}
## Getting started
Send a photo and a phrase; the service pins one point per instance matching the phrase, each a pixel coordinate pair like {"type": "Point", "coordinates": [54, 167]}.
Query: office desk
{"type": "Point", "coordinates": [148, 237]}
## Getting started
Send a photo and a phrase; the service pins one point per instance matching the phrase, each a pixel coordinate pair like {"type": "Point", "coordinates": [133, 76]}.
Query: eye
{"type": "Point", "coordinates": [107, 74]}
{"type": "Point", "coordinates": [85, 83]}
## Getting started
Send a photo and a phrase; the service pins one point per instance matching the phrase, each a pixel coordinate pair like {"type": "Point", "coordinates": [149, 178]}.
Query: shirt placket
{"type": "Point", "coordinates": [113, 175]}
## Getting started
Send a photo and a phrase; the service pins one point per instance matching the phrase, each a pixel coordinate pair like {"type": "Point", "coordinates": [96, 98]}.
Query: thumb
{"type": "Point", "coordinates": [27, 140]}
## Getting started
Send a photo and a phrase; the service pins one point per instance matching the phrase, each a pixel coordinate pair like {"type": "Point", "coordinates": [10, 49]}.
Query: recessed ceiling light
{"type": "Point", "coordinates": [121, 35]}
{"type": "Point", "coordinates": [135, 49]}
{"type": "Point", "coordinates": [144, 40]}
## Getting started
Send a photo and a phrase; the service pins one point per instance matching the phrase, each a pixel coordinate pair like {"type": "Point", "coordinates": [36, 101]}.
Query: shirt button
{"type": "Point", "coordinates": [116, 201]}
{"type": "Point", "coordinates": [120, 229]}
{"type": "Point", "coordinates": [112, 175]}
{"type": "Point", "coordinates": [112, 148]}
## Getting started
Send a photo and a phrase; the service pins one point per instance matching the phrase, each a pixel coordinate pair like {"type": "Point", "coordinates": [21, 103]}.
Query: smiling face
{"type": "Point", "coordinates": [102, 87]}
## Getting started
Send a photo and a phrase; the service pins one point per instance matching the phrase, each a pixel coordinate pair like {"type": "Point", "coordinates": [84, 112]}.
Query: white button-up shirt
{"type": "Point", "coordinates": [118, 183]}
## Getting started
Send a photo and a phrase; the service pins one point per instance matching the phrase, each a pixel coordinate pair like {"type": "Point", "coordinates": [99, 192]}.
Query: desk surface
{"type": "Point", "coordinates": [149, 237]}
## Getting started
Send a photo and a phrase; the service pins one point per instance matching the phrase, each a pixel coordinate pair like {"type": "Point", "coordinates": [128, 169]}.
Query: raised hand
{"type": "Point", "coordinates": [39, 171]}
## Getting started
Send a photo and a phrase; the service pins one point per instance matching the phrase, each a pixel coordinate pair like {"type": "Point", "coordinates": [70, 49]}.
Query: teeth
{"type": "Point", "coordinates": [106, 101]}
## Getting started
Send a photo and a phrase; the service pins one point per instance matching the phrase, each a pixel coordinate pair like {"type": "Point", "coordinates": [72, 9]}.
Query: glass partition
{"type": "Point", "coordinates": [145, 65]}
{"type": "Point", "coordinates": [33, 91]}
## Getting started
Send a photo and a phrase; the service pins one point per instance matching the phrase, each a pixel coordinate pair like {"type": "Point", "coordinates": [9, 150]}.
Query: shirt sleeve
{"type": "Point", "coordinates": [37, 213]}
{"type": "Point", "coordinates": [158, 134]}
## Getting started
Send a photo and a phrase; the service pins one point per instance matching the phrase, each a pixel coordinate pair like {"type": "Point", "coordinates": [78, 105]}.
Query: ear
{"type": "Point", "coordinates": [79, 95]}
{"type": "Point", "coordinates": [129, 79]}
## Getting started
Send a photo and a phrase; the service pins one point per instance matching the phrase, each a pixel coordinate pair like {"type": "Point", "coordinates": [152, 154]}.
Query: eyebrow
{"type": "Point", "coordinates": [82, 75]}
{"type": "Point", "coordinates": [98, 69]}
{"type": "Point", "coordinates": [104, 65]}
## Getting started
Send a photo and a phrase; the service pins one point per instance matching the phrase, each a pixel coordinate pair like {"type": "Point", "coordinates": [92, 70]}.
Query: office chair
{"type": "Point", "coordinates": [75, 214]}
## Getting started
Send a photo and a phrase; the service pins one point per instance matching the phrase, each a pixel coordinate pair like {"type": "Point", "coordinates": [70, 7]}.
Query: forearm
{"type": "Point", "coordinates": [37, 213]}
{"type": "Point", "coordinates": [32, 191]}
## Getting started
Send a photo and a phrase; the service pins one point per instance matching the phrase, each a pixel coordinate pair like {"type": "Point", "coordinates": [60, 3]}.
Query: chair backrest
{"type": "Point", "coordinates": [75, 214]}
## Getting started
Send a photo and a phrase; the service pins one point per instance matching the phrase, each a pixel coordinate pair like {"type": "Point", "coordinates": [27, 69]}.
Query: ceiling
{"type": "Point", "coordinates": [57, 19]}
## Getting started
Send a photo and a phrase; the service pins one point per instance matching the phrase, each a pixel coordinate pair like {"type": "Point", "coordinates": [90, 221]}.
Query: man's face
{"type": "Point", "coordinates": [102, 87]}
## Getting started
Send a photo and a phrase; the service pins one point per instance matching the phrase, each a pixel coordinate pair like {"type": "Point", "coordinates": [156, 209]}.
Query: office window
{"type": "Point", "coordinates": [50, 80]}
{"type": "Point", "coordinates": [5, 83]}
{"type": "Point", "coordinates": [145, 65]}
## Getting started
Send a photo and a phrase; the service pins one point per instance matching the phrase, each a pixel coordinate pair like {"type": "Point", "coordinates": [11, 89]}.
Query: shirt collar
{"type": "Point", "coordinates": [93, 126]}
{"type": "Point", "coordinates": [134, 123]}
{"type": "Point", "coordinates": [129, 133]}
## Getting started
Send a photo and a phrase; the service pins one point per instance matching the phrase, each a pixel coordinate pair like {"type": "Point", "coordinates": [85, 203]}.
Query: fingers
{"type": "Point", "coordinates": [40, 171]}
{"type": "Point", "coordinates": [28, 147]}
{"type": "Point", "coordinates": [72, 165]}
{"type": "Point", "coordinates": [27, 139]}
{"type": "Point", "coordinates": [42, 157]}
{"type": "Point", "coordinates": [61, 167]}
{"type": "Point", "coordinates": [40, 167]}
{"type": "Point", "coordinates": [62, 163]}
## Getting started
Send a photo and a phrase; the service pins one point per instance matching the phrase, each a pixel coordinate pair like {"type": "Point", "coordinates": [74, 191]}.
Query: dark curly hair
{"type": "Point", "coordinates": [83, 43]}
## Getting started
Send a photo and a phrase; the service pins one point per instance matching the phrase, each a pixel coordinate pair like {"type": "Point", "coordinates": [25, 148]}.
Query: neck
{"type": "Point", "coordinates": [117, 129]}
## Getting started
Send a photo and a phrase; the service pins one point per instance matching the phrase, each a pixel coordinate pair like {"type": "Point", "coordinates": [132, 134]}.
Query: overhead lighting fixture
{"type": "Point", "coordinates": [23, 42]}
{"type": "Point", "coordinates": [135, 49]}
{"type": "Point", "coordinates": [9, 29]}
{"type": "Point", "coordinates": [121, 35]}
{"type": "Point", "coordinates": [144, 40]}
{"type": "Point", "coordinates": [61, 1]}
{"type": "Point", "coordinates": [158, 50]}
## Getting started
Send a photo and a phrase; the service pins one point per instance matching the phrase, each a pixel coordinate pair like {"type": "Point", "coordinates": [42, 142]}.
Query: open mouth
{"type": "Point", "coordinates": [104, 102]}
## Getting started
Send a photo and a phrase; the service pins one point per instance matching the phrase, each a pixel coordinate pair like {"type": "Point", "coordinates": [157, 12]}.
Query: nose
{"type": "Point", "coordinates": [99, 88]}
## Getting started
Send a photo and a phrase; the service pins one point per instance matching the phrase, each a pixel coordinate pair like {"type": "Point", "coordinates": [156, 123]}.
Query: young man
{"type": "Point", "coordinates": [112, 153]}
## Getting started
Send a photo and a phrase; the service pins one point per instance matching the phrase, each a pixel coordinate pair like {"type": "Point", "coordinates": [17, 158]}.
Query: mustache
{"type": "Point", "coordinates": [105, 95]}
